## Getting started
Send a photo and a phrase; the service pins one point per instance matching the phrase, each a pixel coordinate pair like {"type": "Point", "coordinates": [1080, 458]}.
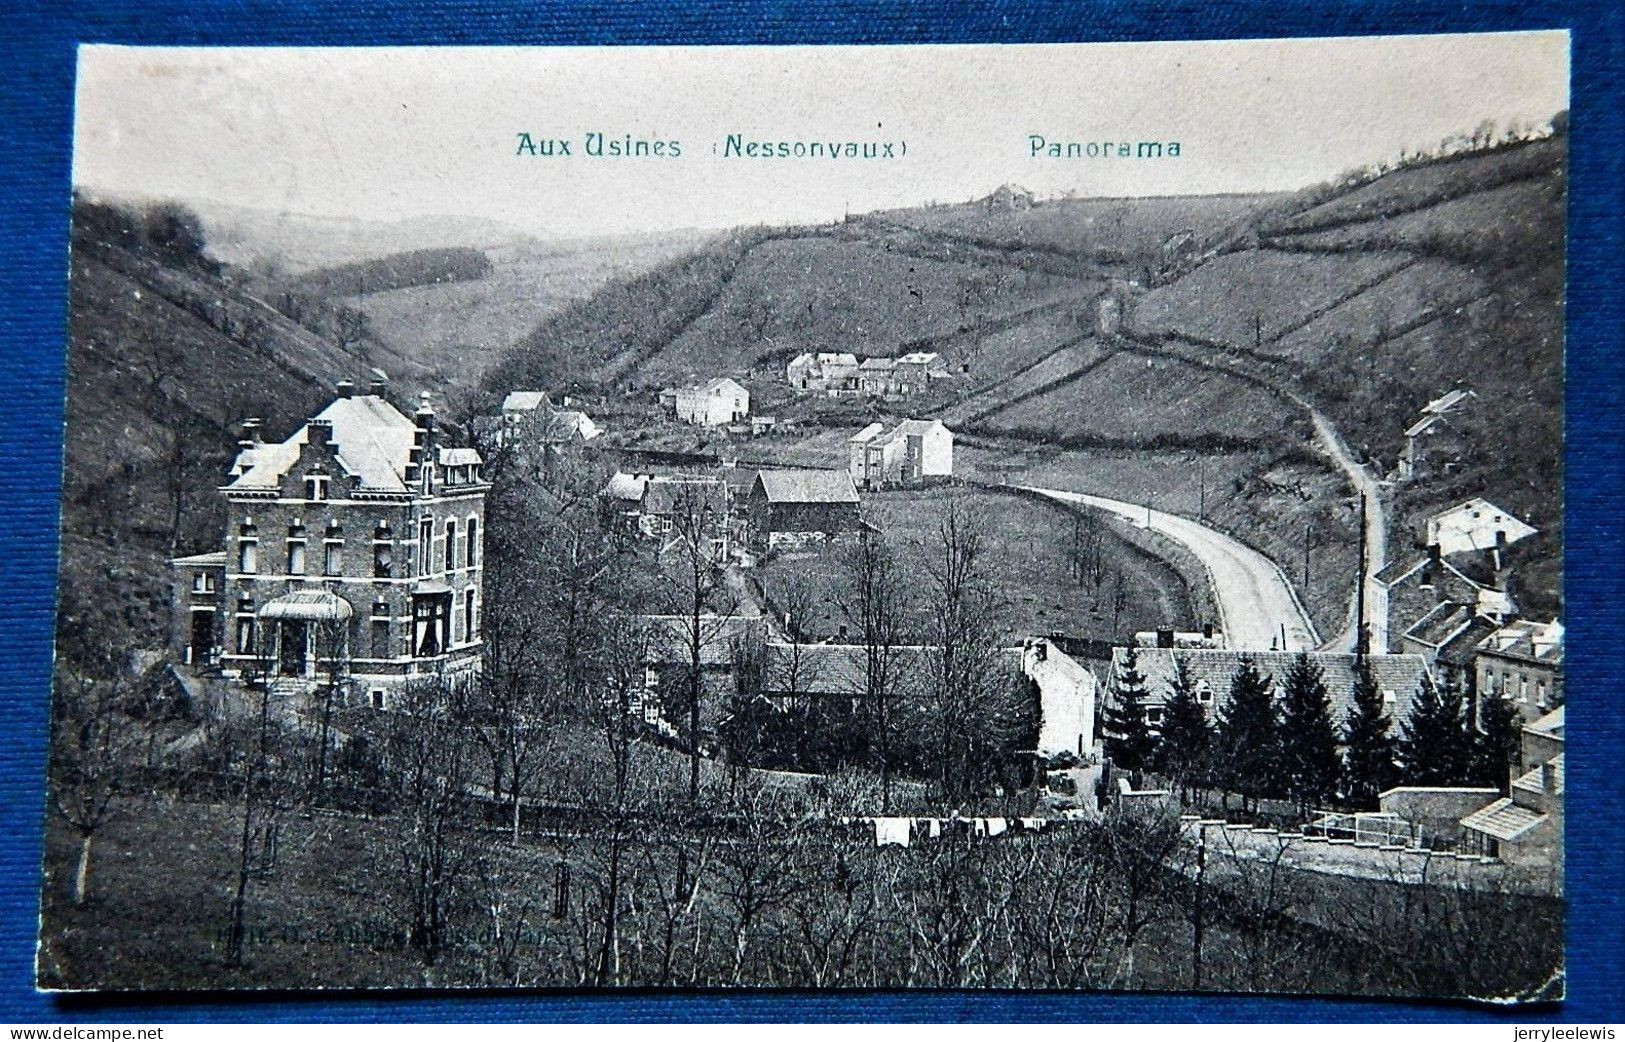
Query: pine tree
{"type": "Point", "coordinates": [1496, 742]}
{"type": "Point", "coordinates": [1307, 738]}
{"type": "Point", "coordinates": [1436, 748]}
{"type": "Point", "coordinates": [1186, 748]}
{"type": "Point", "coordinates": [1368, 761]}
{"type": "Point", "coordinates": [1128, 738]}
{"type": "Point", "coordinates": [1246, 740]}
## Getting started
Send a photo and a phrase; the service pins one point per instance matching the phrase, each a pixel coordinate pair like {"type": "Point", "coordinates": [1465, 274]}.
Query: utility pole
{"type": "Point", "coordinates": [1308, 526]}
{"type": "Point", "coordinates": [1361, 639]}
{"type": "Point", "coordinates": [1201, 489]}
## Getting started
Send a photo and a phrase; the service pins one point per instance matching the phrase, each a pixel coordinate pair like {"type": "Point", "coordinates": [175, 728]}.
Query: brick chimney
{"type": "Point", "coordinates": [251, 432]}
{"type": "Point", "coordinates": [423, 440]}
{"type": "Point", "coordinates": [380, 382]}
{"type": "Point", "coordinates": [319, 432]}
{"type": "Point", "coordinates": [345, 388]}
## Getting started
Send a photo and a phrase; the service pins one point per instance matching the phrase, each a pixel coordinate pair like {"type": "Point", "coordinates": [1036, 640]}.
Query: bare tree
{"type": "Point", "coordinates": [877, 601]}
{"type": "Point", "coordinates": [93, 736]}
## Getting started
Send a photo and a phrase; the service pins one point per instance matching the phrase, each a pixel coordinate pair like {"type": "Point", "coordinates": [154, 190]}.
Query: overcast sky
{"type": "Point", "coordinates": [390, 133]}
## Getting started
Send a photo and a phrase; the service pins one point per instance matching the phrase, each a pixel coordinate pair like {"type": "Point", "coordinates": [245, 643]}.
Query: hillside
{"type": "Point", "coordinates": [1373, 297]}
{"type": "Point", "coordinates": [426, 267]}
{"type": "Point", "coordinates": [168, 351]}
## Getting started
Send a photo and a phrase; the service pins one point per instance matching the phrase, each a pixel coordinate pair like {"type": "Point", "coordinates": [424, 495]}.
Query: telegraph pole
{"type": "Point", "coordinates": [1361, 640]}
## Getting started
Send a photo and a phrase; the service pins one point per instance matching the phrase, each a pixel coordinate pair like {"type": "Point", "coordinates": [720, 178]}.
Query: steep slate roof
{"type": "Point", "coordinates": [374, 440]}
{"type": "Point", "coordinates": [1476, 515]}
{"type": "Point", "coordinates": [1400, 675]}
{"type": "Point", "coordinates": [668, 637]}
{"type": "Point", "coordinates": [523, 401]}
{"type": "Point", "coordinates": [837, 358]}
{"type": "Point", "coordinates": [807, 486]}
{"type": "Point", "coordinates": [878, 364]}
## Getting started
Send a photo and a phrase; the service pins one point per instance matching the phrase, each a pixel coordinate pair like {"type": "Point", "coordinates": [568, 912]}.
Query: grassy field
{"type": "Point", "coordinates": [1138, 399]}
{"type": "Point", "coordinates": [1027, 555]}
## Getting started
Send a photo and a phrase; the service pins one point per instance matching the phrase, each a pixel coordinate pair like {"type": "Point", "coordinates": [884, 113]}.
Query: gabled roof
{"type": "Point", "coordinates": [879, 364]}
{"type": "Point", "coordinates": [458, 457]}
{"type": "Point", "coordinates": [807, 486]}
{"type": "Point", "coordinates": [804, 358]}
{"type": "Point", "coordinates": [524, 401]}
{"type": "Point", "coordinates": [374, 441]}
{"type": "Point", "coordinates": [669, 637]}
{"type": "Point", "coordinates": [1445, 402]}
{"type": "Point", "coordinates": [918, 358]}
{"type": "Point", "coordinates": [626, 487]}
{"type": "Point", "coordinates": [1441, 623]}
{"type": "Point", "coordinates": [837, 358]}
{"type": "Point", "coordinates": [1477, 520]}
{"type": "Point", "coordinates": [664, 494]}
{"type": "Point", "coordinates": [1421, 426]}
{"type": "Point", "coordinates": [868, 432]}
{"type": "Point", "coordinates": [721, 385]}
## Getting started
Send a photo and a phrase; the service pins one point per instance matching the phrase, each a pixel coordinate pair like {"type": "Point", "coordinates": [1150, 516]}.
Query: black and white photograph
{"type": "Point", "coordinates": [1056, 517]}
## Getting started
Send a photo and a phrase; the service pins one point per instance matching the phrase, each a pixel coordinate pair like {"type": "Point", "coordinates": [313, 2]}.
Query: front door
{"type": "Point", "coordinates": [292, 644]}
{"type": "Point", "coordinates": [202, 638]}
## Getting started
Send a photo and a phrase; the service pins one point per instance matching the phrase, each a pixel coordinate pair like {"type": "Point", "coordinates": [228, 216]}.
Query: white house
{"type": "Point", "coordinates": [908, 453]}
{"type": "Point", "coordinates": [1475, 525]}
{"type": "Point", "coordinates": [1066, 698]}
{"type": "Point", "coordinates": [715, 403]}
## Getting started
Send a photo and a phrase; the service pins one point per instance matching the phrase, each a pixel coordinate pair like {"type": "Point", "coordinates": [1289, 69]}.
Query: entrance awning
{"type": "Point", "coordinates": [308, 606]}
{"type": "Point", "coordinates": [429, 586]}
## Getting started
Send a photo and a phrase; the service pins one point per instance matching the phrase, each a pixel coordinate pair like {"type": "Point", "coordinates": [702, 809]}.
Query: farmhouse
{"type": "Point", "coordinates": [715, 403]}
{"type": "Point", "coordinates": [905, 455]}
{"type": "Point", "coordinates": [353, 549]}
{"type": "Point", "coordinates": [790, 507]}
{"type": "Point", "coordinates": [1406, 592]}
{"type": "Point", "coordinates": [1210, 671]}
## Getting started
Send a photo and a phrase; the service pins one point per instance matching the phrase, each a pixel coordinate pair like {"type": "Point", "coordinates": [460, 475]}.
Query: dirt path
{"type": "Point", "coordinates": [1257, 606]}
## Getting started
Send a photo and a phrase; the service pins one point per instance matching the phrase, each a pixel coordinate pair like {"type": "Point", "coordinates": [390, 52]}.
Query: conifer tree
{"type": "Point", "coordinates": [1309, 766]}
{"type": "Point", "coordinates": [1436, 748]}
{"type": "Point", "coordinates": [1368, 760]}
{"type": "Point", "coordinates": [1246, 744]}
{"type": "Point", "coordinates": [1185, 750]}
{"type": "Point", "coordinates": [1128, 738]}
{"type": "Point", "coordinates": [1496, 742]}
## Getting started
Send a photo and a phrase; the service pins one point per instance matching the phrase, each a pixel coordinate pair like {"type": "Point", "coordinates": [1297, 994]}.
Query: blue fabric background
{"type": "Point", "coordinates": [36, 91]}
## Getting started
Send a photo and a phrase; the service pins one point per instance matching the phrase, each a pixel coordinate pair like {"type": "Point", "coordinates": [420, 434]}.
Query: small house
{"type": "Point", "coordinates": [1475, 525]}
{"type": "Point", "coordinates": [715, 403]}
{"type": "Point", "coordinates": [910, 452]}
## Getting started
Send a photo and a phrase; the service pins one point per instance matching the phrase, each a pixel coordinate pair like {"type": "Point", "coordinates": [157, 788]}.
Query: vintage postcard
{"type": "Point", "coordinates": [1080, 517]}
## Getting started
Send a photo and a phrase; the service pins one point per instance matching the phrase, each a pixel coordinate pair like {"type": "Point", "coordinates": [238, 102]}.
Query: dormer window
{"type": "Point", "coordinates": [1204, 692]}
{"type": "Point", "coordinates": [316, 487]}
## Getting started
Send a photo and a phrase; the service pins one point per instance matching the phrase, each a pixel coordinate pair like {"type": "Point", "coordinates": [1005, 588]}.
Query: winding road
{"type": "Point", "coordinates": [1375, 534]}
{"type": "Point", "coordinates": [1256, 603]}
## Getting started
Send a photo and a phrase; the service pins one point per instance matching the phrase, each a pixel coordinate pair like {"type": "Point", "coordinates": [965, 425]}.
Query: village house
{"type": "Point", "coordinates": [1399, 677]}
{"type": "Point", "coordinates": [789, 508]}
{"type": "Point", "coordinates": [909, 453]}
{"type": "Point", "coordinates": [353, 550]}
{"type": "Point", "coordinates": [1408, 591]}
{"type": "Point", "coordinates": [917, 369]}
{"type": "Point", "coordinates": [656, 506]}
{"type": "Point", "coordinates": [1434, 444]}
{"type": "Point", "coordinates": [877, 378]}
{"type": "Point", "coordinates": [532, 414]}
{"type": "Point", "coordinates": [715, 403]}
{"type": "Point", "coordinates": [1475, 525]}
{"type": "Point", "coordinates": [1009, 198]}
{"type": "Point", "coordinates": [833, 372]}
{"type": "Point", "coordinates": [1522, 662]}
{"type": "Point", "coordinates": [668, 646]}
